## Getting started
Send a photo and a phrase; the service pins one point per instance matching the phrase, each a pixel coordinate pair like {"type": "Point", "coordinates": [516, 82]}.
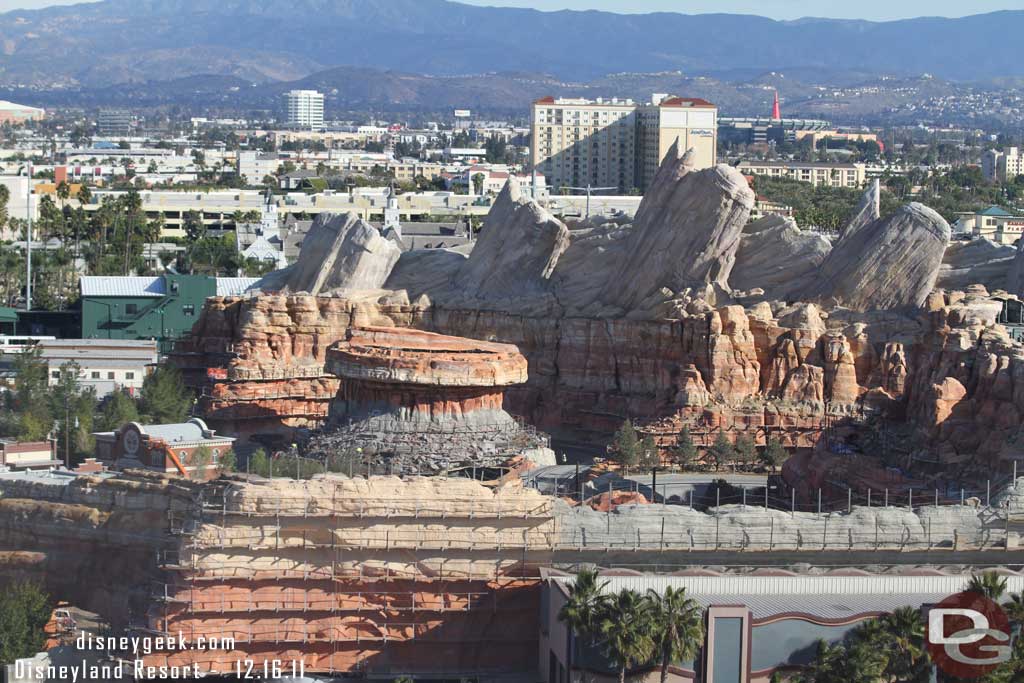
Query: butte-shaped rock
{"type": "Point", "coordinates": [516, 252]}
{"type": "Point", "coordinates": [685, 233]}
{"type": "Point", "coordinates": [425, 401]}
{"type": "Point", "coordinates": [886, 263]}
{"type": "Point", "coordinates": [341, 252]}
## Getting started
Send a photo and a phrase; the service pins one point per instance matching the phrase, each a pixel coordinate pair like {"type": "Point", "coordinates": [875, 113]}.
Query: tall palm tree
{"type": "Point", "coordinates": [582, 611]}
{"type": "Point", "coordinates": [906, 652]}
{"type": "Point", "coordinates": [677, 626]}
{"type": "Point", "coordinates": [1014, 608]}
{"type": "Point", "coordinates": [989, 584]}
{"type": "Point", "coordinates": [626, 631]}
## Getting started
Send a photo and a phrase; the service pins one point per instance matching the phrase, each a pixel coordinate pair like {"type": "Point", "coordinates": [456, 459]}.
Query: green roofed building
{"type": "Point", "coordinates": [162, 307]}
{"type": "Point", "coordinates": [8, 320]}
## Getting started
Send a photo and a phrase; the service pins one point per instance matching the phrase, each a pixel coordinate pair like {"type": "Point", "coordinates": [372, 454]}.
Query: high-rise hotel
{"type": "Point", "coordinates": [617, 143]}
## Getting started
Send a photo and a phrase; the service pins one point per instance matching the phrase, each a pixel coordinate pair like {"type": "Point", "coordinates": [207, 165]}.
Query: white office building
{"type": "Point", "coordinates": [305, 108]}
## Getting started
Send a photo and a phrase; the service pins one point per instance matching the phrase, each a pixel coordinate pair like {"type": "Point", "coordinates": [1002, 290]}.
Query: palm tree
{"type": "Point", "coordinates": [678, 627]}
{"type": "Point", "coordinates": [626, 631]}
{"type": "Point", "coordinates": [907, 658]}
{"type": "Point", "coordinates": [1014, 608]}
{"type": "Point", "coordinates": [583, 610]}
{"type": "Point", "coordinates": [989, 584]}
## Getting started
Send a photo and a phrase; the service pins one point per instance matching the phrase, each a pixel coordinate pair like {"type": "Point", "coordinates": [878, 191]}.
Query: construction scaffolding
{"type": "Point", "coordinates": [345, 583]}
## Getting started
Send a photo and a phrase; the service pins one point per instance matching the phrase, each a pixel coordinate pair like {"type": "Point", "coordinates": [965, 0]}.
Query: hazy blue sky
{"type": "Point", "coordinates": [778, 9]}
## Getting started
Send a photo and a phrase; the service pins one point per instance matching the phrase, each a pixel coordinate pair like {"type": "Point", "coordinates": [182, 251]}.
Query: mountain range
{"type": "Point", "coordinates": [116, 41]}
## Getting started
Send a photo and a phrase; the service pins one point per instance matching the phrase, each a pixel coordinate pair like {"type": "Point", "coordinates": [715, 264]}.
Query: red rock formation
{"type": "Point", "coordinates": [783, 365]}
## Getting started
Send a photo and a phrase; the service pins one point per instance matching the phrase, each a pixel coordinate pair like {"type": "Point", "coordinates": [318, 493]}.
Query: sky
{"type": "Point", "coordinates": [876, 10]}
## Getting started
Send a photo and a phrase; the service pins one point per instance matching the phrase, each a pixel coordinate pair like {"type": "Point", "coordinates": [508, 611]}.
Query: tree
{"type": "Point", "coordinates": [773, 455]}
{"type": "Point", "coordinates": [31, 396]}
{"type": "Point", "coordinates": [625, 445]}
{"type": "Point", "coordinates": [201, 457]}
{"type": "Point", "coordinates": [626, 632]}
{"type": "Point", "coordinates": [478, 183]}
{"type": "Point", "coordinates": [684, 453]}
{"type": "Point", "coordinates": [721, 451]}
{"type": "Point", "coordinates": [118, 409]}
{"type": "Point", "coordinates": [907, 659]}
{"type": "Point", "coordinates": [989, 584]}
{"type": "Point", "coordinates": [582, 612]}
{"type": "Point", "coordinates": [165, 400]}
{"type": "Point", "coordinates": [745, 450]}
{"type": "Point", "coordinates": [677, 625]}
{"type": "Point", "coordinates": [259, 463]}
{"type": "Point", "coordinates": [5, 197]}
{"type": "Point", "coordinates": [227, 462]}
{"type": "Point", "coordinates": [193, 224]}
{"type": "Point", "coordinates": [24, 612]}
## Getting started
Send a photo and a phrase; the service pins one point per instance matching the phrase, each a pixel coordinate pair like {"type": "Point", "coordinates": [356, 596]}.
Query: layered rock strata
{"type": "Point", "coordinates": [424, 401]}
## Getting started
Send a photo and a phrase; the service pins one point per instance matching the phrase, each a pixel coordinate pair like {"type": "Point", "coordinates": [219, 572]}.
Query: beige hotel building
{"type": "Point", "coordinates": [617, 143]}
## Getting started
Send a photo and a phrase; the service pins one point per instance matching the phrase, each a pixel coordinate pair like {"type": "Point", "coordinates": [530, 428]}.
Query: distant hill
{"type": "Point", "coordinates": [112, 42]}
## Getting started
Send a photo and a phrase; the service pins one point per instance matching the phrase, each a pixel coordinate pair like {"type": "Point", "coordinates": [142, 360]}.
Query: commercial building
{"type": "Point", "coordinates": [27, 455]}
{"type": "Point", "coordinates": [305, 108]}
{"type": "Point", "coordinates": [114, 123]}
{"type": "Point", "coordinates": [993, 223]}
{"type": "Point", "coordinates": [1002, 166]}
{"type": "Point", "coordinates": [103, 364]}
{"type": "Point", "coordinates": [169, 449]}
{"type": "Point", "coordinates": [13, 113]}
{"type": "Point", "coordinates": [163, 307]}
{"type": "Point", "coordinates": [816, 173]}
{"type": "Point", "coordinates": [617, 143]}
{"type": "Point", "coordinates": [255, 166]}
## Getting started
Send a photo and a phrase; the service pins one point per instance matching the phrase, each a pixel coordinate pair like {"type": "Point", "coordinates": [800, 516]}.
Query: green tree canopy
{"type": "Point", "coordinates": [25, 609]}
{"type": "Point", "coordinates": [165, 400]}
{"type": "Point", "coordinates": [684, 454]}
{"type": "Point", "coordinates": [118, 408]}
{"type": "Point", "coordinates": [625, 447]}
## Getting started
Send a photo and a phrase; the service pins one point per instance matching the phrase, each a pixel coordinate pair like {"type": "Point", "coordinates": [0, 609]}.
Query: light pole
{"type": "Point", "coordinates": [589, 189]}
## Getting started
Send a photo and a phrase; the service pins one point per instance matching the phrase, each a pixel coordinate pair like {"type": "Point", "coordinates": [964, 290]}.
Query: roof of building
{"type": "Point", "coordinates": [234, 286]}
{"type": "Point", "coordinates": [832, 596]}
{"type": "Point", "coordinates": [194, 431]}
{"type": "Point", "coordinates": [105, 285]}
{"type": "Point", "coordinates": [686, 102]}
{"type": "Point", "coordinates": [994, 211]}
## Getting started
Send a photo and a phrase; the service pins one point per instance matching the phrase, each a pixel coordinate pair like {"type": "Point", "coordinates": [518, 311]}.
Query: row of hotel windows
{"type": "Point", "coordinates": [96, 374]}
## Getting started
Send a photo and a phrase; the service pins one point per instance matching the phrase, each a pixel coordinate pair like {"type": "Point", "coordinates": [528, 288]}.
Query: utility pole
{"type": "Point", "coordinates": [28, 240]}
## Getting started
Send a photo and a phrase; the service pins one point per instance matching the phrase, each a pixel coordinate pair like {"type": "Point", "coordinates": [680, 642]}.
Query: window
{"type": "Point", "coordinates": [188, 309]}
{"type": "Point", "coordinates": [110, 375]}
{"type": "Point", "coordinates": [95, 374]}
{"type": "Point", "coordinates": [55, 374]}
{"type": "Point", "coordinates": [131, 309]}
{"type": "Point", "coordinates": [174, 288]}
{"type": "Point", "coordinates": [129, 375]}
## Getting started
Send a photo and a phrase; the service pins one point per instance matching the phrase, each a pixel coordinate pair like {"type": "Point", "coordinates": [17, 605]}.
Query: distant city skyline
{"type": "Point", "coordinates": [874, 10]}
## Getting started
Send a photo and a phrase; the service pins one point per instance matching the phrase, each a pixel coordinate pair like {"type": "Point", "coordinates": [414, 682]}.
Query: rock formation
{"type": "Point", "coordinates": [685, 233]}
{"type": "Point", "coordinates": [776, 256]}
{"type": "Point", "coordinates": [340, 253]}
{"type": "Point", "coordinates": [516, 260]}
{"type": "Point", "coordinates": [890, 262]}
{"type": "Point", "coordinates": [977, 262]}
{"type": "Point", "coordinates": [685, 312]}
{"type": "Point", "coordinates": [425, 402]}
